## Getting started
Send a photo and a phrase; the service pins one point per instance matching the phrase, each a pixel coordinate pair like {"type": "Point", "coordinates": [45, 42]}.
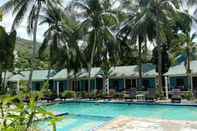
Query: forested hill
{"type": "Point", "coordinates": [24, 50]}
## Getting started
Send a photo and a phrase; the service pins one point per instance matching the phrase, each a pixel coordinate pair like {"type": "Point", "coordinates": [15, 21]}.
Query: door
{"type": "Point", "coordinates": [195, 86]}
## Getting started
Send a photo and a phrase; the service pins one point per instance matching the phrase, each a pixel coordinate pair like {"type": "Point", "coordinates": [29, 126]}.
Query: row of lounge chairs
{"type": "Point", "coordinates": [149, 96]}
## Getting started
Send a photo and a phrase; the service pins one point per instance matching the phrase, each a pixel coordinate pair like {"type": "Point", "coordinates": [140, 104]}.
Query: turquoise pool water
{"type": "Point", "coordinates": [165, 112]}
{"type": "Point", "coordinates": [85, 116]}
{"type": "Point", "coordinates": [75, 123]}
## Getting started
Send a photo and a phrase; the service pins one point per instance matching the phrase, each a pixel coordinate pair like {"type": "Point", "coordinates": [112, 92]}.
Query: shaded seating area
{"type": "Point", "coordinates": [176, 96]}
{"type": "Point", "coordinates": [130, 94]}
{"type": "Point", "coordinates": [151, 94]}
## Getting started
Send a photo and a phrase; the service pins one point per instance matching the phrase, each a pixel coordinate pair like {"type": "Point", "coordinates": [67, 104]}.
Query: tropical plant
{"type": "Point", "coordinates": [185, 38]}
{"type": "Point", "coordinates": [19, 9]}
{"type": "Point", "coordinates": [22, 117]}
{"type": "Point", "coordinates": [7, 46]}
{"type": "Point", "coordinates": [137, 29]}
{"type": "Point", "coordinates": [97, 22]}
{"type": "Point", "coordinates": [68, 94]}
{"type": "Point", "coordinates": [159, 13]}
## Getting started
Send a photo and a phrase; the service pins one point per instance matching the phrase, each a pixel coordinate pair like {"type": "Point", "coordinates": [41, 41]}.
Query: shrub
{"type": "Point", "coordinates": [188, 95]}
{"type": "Point", "coordinates": [118, 95]}
{"type": "Point", "coordinates": [45, 91]}
{"type": "Point", "coordinates": [84, 94]}
{"type": "Point", "coordinates": [112, 92]}
{"type": "Point", "coordinates": [68, 94]}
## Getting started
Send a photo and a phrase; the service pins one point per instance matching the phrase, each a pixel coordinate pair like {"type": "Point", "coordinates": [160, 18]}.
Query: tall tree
{"type": "Point", "coordinates": [61, 38]}
{"type": "Point", "coordinates": [98, 20]}
{"type": "Point", "coordinates": [33, 7]}
{"type": "Point", "coordinates": [7, 46]}
{"type": "Point", "coordinates": [137, 29]}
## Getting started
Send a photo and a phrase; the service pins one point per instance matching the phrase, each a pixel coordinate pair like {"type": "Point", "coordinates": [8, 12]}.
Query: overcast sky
{"type": "Point", "coordinates": [21, 30]}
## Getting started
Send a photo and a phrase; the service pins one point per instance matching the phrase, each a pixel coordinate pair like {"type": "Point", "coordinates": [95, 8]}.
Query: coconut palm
{"type": "Point", "coordinates": [62, 39]}
{"type": "Point", "coordinates": [19, 9]}
{"type": "Point", "coordinates": [98, 21]}
{"type": "Point", "coordinates": [136, 30]}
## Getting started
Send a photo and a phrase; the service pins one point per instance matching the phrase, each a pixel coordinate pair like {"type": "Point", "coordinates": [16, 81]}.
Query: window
{"type": "Point", "coordinates": [134, 85]}
{"type": "Point", "coordinates": [37, 86]}
{"type": "Point", "coordinates": [180, 82]}
{"type": "Point", "coordinates": [128, 84]}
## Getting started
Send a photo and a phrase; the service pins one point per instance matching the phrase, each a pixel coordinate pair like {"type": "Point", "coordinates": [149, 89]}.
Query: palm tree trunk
{"type": "Point", "coordinates": [140, 64]}
{"type": "Point", "coordinates": [158, 41]}
{"type": "Point", "coordinates": [91, 63]}
{"type": "Point", "coordinates": [189, 77]}
{"type": "Point", "coordinates": [106, 85]}
{"type": "Point", "coordinates": [34, 46]}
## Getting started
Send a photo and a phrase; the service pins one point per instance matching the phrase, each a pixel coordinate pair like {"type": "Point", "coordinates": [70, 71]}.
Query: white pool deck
{"type": "Point", "coordinates": [135, 124]}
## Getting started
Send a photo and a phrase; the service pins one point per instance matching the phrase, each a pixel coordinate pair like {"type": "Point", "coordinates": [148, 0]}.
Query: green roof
{"type": "Point", "coordinates": [180, 70]}
{"type": "Point", "coordinates": [133, 71]}
{"type": "Point", "coordinates": [116, 72]}
{"type": "Point", "coordinates": [63, 74]}
{"type": "Point", "coordinates": [38, 75]}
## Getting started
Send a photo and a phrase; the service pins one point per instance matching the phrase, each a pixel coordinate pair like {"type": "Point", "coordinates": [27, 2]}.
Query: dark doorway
{"type": "Point", "coordinates": [195, 86]}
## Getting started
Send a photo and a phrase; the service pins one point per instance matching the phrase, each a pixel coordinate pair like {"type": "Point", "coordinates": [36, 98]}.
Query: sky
{"type": "Point", "coordinates": [21, 30]}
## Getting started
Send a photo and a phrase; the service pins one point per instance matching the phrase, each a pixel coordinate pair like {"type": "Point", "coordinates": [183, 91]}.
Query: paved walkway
{"type": "Point", "coordinates": [127, 124]}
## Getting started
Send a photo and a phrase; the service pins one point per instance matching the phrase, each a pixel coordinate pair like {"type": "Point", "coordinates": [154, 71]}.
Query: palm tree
{"type": "Point", "coordinates": [160, 11]}
{"type": "Point", "coordinates": [19, 8]}
{"type": "Point", "coordinates": [62, 39]}
{"type": "Point", "coordinates": [137, 29]}
{"type": "Point", "coordinates": [54, 34]}
{"type": "Point", "coordinates": [97, 20]}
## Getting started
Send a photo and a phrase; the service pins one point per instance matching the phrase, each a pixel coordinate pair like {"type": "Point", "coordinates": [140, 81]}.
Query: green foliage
{"type": "Point", "coordinates": [23, 87]}
{"type": "Point", "coordinates": [188, 95]}
{"type": "Point", "coordinates": [45, 91]}
{"type": "Point", "coordinates": [1, 15]}
{"type": "Point", "coordinates": [118, 95]}
{"type": "Point", "coordinates": [23, 48]}
{"type": "Point", "coordinates": [15, 115]}
{"type": "Point", "coordinates": [165, 59]}
{"type": "Point", "coordinates": [7, 46]}
{"type": "Point", "coordinates": [68, 94]}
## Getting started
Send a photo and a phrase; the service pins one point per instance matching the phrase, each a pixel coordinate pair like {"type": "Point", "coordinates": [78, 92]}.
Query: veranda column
{"type": "Point", "coordinates": [95, 84]}
{"type": "Point", "coordinates": [18, 86]}
{"type": "Point", "coordinates": [191, 84]}
{"type": "Point", "coordinates": [124, 84]}
{"type": "Point", "coordinates": [58, 88]}
{"type": "Point", "coordinates": [166, 86]}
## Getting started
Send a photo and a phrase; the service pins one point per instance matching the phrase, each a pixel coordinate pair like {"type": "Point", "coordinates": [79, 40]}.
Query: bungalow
{"type": "Point", "coordinates": [38, 78]}
{"type": "Point", "coordinates": [176, 78]}
{"type": "Point", "coordinates": [120, 78]}
{"type": "Point", "coordinates": [65, 80]}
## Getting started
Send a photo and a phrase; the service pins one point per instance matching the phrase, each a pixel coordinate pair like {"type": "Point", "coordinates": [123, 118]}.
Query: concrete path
{"type": "Point", "coordinates": [128, 124]}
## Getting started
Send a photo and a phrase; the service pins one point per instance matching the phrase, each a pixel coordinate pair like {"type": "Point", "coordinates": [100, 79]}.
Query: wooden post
{"type": "Point", "coordinates": [18, 86]}
{"type": "Point", "coordinates": [166, 86]}
{"type": "Point", "coordinates": [124, 84]}
{"type": "Point", "coordinates": [58, 88]}
{"type": "Point", "coordinates": [191, 84]}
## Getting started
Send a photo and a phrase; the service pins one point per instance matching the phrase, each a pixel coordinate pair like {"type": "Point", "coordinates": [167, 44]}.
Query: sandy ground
{"type": "Point", "coordinates": [128, 124]}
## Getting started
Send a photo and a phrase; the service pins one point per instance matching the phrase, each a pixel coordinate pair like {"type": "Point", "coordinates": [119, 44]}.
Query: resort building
{"type": "Point", "coordinates": [121, 78]}
{"type": "Point", "coordinates": [177, 78]}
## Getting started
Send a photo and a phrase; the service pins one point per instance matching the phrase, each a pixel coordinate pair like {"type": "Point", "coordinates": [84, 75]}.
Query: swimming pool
{"type": "Point", "coordinates": [153, 111]}
{"type": "Point", "coordinates": [84, 116]}
{"type": "Point", "coordinates": [75, 123]}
